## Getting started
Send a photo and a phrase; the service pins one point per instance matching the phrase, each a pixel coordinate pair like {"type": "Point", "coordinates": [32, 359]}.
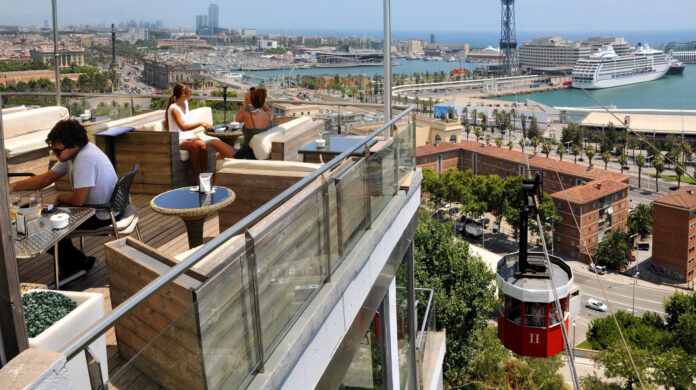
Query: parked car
{"type": "Point", "coordinates": [673, 188]}
{"type": "Point", "coordinates": [596, 304]}
{"type": "Point", "coordinates": [600, 269]}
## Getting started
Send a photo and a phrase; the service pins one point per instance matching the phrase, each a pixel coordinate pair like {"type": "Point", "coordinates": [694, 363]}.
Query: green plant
{"type": "Point", "coordinates": [43, 309]}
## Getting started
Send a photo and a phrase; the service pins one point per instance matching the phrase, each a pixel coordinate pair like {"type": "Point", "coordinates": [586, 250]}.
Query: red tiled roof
{"type": "Point", "coordinates": [591, 191]}
{"type": "Point", "coordinates": [431, 148]}
{"type": "Point", "coordinates": [683, 198]}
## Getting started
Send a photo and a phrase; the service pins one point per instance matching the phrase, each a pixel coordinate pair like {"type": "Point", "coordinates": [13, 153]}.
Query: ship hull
{"type": "Point", "coordinates": [676, 69]}
{"type": "Point", "coordinates": [619, 81]}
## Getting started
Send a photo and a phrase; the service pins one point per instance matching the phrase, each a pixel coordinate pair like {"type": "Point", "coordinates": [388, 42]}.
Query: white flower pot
{"type": "Point", "coordinates": [90, 308]}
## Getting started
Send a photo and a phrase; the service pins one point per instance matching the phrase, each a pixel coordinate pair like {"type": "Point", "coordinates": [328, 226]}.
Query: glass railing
{"type": "Point", "coordinates": [240, 312]}
{"type": "Point", "coordinates": [425, 311]}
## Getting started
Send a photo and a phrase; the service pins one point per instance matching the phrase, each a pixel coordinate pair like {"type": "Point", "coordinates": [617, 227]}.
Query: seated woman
{"type": "Point", "coordinates": [176, 119]}
{"type": "Point", "coordinates": [255, 121]}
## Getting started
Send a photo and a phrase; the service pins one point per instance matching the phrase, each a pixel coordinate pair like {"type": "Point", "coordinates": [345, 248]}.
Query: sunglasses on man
{"type": "Point", "coordinates": [57, 151]}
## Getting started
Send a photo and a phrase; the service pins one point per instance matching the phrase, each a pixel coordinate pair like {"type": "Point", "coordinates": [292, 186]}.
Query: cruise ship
{"type": "Point", "coordinates": [606, 69]}
{"type": "Point", "coordinates": [675, 66]}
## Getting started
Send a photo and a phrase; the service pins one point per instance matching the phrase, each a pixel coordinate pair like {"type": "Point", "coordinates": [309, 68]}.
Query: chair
{"type": "Point", "coordinates": [119, 203]}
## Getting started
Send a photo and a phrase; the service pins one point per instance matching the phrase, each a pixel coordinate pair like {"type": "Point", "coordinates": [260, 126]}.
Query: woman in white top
{"type": "Point", "coordinates": [176, 119]}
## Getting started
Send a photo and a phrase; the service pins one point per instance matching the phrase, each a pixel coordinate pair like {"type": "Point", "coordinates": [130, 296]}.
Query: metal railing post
{"type": "Point", "coordinates": [94, 372]}
{"type": "Point", "coordinates": [413, 140]}
{"type": "Point", "coordinates": [56, 56]}
{"type": "Point", "coordinates": [327, 226]}
{"type": "Point", "coordinates": [368, 190]}
{"type": "Point", "coordinates": [387, 92]}
{"type": "Point", "coordinates": [253, 283]}
{"type": "Point", "coordinates": [395, 136]}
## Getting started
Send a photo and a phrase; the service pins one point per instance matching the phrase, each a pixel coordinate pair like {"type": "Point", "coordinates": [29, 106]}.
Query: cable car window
{"type": "Point", "coordinates": [554, 319]}
{"type": "Point", "coordinates": [514, 310]}
{"type": "Point", "coordinates": [535, 314]}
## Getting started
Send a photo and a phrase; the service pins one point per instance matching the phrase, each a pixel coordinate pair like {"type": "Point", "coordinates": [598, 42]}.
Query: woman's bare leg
{"type": "Point", "coordinates": [202, 155]}
{"type": "Point", "coordinates": [194, 155]}
{"type": "Point", "coordinates": [225, 150]}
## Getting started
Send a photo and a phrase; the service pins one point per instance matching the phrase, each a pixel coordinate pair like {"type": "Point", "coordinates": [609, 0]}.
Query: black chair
{"type": "Point", "coordinates": [119, 203]}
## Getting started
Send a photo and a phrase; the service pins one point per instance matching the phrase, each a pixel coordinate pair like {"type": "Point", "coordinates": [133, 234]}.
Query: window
{"type": "Point", "coordinates": [691, 260]}
{"type": "Point", "coordinates": [572, 243]}
{"type": "Point", "coordinates": [453, 139]}
{"type": "Point", "coordinates": [535, 314]}
{"type": "Point", "coordinates": [514, 310]}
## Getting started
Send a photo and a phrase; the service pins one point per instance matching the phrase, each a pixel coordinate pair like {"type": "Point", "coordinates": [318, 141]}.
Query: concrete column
{"type": "Point", "coordinates": [392, 339]}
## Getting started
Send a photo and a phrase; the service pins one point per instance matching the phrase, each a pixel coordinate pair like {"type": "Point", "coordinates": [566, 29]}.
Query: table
{"type": "Point", "coordinates": [192, 207]}
{"type": "Point", "coordinates": [47, 237]}
{"type": "Point", "coordinates": [228, 136]}
{"type": "Point", "coordinates": [335, 145]}
{"type": "Point", "coordinates": [97, 120]}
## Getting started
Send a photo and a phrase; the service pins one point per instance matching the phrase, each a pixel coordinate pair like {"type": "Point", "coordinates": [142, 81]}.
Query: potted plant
{"type": "Point", "coordinates": [55, 318]}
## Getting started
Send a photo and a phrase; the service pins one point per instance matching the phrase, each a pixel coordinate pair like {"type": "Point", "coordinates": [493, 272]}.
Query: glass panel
{"type": "Point", "coordinates": [210, 345]}
{"type": "Point", "coordinates": [382, 176]}
{"type": "Point", "coordinates": [535, 314]}
{"type": "Point", "coordinates": [291, 264]}
{"type": "Point", "coordinates": [403, 322]}
{"type": "Point", "coordinates": [365, 370]}
{"type": "Point", "coordinates": [351, 190]}
{"type": "Point", "coordinates": [553, 317]}
{"type": "Point", "coordinates": [514, 310]}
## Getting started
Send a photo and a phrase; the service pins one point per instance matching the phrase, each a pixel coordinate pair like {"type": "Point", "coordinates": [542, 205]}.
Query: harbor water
{"type": "Point", "coordinates": [670, 92]}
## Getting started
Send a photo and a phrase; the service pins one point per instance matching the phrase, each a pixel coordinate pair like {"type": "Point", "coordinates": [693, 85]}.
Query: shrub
{"type": "Point", "coordinates": [43, 309]}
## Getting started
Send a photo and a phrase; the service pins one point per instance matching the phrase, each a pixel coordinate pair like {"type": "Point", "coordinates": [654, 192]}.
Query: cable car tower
{"type": "Point", "coordinates": [508, 39]}
{"type": "Point", "coordinates": [529, 321]}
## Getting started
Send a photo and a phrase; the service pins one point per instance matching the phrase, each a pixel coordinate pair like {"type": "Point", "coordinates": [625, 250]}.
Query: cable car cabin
{"type": "Point", "coordinates": [528, 323]}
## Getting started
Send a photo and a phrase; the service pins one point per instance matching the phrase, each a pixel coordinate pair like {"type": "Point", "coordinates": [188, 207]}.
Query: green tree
{"type": "Point", "coordinates": [510, 145]}
{"type": "Point", "coordinates": [467, 130]}
{"type": "Point", "coordinates": [623, 160]}
{"type": "Point", "coordinates": [679, 171]}
{"type": "Point", "coordinates": [488, 139]}
{"type": "Point", "coordinates": [613, 251]}
{"type": "Point", "coordinates": [546, 148]}
{"type": "Point", "coordinates": [463, 292]}
{"type": "Point", "coordinates": [535, 142]}
{"type": "Point", "coordinates": [640, 162]}
{"type": "Point", "coordinates": [659, 164]}
{"type": "Point", "coordinates": [640, 220]}
{"type": "Point", "coordinates": [606, 157]}
{"type": "Point", "coordinates": [534, 129]}
{"type": "Point", "coordinates": [499, 141]}
{"type": "Point", "coordinates": [617, 364]}
{"type": "Point", "coordinates": [575, 150]}
{"type": "Point", "coordinates": [674, 368]}
{"type": "Point", "coordinates": [477, 133]}
{"type": "Point", "coordinates": [560, 151]}
{"type": "Point", "coordinates": [590, 153]}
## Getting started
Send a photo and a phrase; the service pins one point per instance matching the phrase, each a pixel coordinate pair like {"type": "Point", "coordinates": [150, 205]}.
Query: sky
{"type": "Point", "coordinates": [285, 16]}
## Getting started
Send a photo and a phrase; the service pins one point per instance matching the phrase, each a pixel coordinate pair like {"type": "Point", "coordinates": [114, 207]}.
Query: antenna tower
{"type": "Point", "coordinates": [113, 46]}
{"type": "Point", "coordinates": [508, 39]}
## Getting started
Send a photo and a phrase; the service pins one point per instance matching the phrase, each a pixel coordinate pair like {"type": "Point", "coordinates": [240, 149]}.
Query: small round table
{"type": "Point", "coordinates": [192, 207]}
{"type": "Point", "coordinates": [228, 137]}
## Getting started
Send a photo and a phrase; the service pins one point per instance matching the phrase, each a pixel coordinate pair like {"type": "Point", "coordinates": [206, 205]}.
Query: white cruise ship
{"type": "Point", "coordinates": [605, 69]}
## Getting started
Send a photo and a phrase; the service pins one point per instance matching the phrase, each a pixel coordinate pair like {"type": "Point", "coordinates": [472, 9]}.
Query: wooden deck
{"type": "Point", "coordinates": [165, 233]}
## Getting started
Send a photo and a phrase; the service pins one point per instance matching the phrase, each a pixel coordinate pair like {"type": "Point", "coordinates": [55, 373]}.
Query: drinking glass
{"type": "Point", "coordinates": [15, 200]}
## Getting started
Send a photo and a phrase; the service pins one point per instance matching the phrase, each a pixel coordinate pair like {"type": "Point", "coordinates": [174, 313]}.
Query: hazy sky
{"type": "Point", "coordinates": [418, 15]}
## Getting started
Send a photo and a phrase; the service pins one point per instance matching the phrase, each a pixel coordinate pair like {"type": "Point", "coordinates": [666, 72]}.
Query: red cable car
{"type": "Point", "coordinates": [529, 322]}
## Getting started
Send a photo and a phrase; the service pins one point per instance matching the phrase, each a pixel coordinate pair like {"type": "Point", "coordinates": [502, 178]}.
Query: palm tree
{"type": "Point", "coordinates": [477, 133]}
{"type": "Point", "coordinates": [640, 161]}
{"type": "Point", "coordinates": [465, 116]}
{"type": "Point", "coordinates": [488, 139]}
{"type": "Point", "coordinates": [590, 153]}
{"type": "Point", "coordinates": [499, 142]}
{"type": "Point", "coordinates": [510, 145]}
{"type": "Point", "coordinates": [560, 151]}
{"type": "Point", "coordinates": [623, 160]}
{"type": "Point", "coordinates": [659, 164]}
{"type": "Point", "coordinates": [546, 148]}
{"type": "Point", "coordinates": [535, 142]}
{"type": "Point", "coordinates": [679, 170]}
{"type": "Point", "coordinates": [467, 130]}
{"type": "Point", "coordinates": [606, 157]}
{"type": "Point", "coordinates": [484, 119]}
{"type": "Point", "coordinates": [474, 116]}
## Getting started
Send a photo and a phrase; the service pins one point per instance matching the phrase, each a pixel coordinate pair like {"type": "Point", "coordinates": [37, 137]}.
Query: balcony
{"type": "Point", "coordinates": [262, 295]}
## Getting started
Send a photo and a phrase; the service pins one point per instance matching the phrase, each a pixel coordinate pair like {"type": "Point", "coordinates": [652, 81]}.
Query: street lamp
{"type": "Point", "coordinates": [635, 278]}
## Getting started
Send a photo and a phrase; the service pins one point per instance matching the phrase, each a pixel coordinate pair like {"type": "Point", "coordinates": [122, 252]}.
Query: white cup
{"type": "Point", "coordinates": [321, 143]}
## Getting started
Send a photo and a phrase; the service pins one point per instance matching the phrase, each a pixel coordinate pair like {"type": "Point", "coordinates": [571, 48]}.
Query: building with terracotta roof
{"type": "Point", "coordinates": [597, 207]}
{"type": "Point", "coordinates": [674, 234]}
{"type": "Point", "coordinates": [597, 198]}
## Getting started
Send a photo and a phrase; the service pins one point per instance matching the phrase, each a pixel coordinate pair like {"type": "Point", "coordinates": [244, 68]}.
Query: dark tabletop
{"type": "Point", "coordinates": [184, 198]}
{"type": "Point", "coordinates": [336, 144]}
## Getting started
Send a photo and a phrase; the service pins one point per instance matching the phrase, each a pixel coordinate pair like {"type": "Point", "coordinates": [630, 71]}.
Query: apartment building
{"type": "Point", "coordinates": [589, 212]}
{"type": "Point", "coordinates": [674, 234]}
{"type": "Point", "coordinates": [596, 198]}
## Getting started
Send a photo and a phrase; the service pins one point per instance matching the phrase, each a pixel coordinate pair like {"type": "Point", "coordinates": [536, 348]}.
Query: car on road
{"type": "Point", "coordinates": [600, 269]}
{"type": "Point", "coordinates": [596, 304]}
{"type": "Point", "coordinates": [673, 188]}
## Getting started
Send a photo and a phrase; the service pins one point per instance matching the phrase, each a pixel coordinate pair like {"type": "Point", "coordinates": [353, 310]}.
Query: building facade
{"type": "Point", "coordinates": [674, 234]}
{"type": "Point", "coordinates": [66, 57]}
{"type": "Point", "coordinates": [162, 74]}
{"type": "Point", "coordinates": [551, 54]}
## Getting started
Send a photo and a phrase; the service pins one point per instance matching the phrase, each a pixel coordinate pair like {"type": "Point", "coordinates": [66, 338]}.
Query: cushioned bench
{"type": "Point", "coordinates": [25, 134]}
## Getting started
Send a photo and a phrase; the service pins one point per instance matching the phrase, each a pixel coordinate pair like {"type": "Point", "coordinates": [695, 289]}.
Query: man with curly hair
{"type": "Point", "coordinates": [93, 179]}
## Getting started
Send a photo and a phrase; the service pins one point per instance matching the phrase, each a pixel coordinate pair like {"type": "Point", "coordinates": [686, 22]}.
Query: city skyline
{"type": "Point", "coordinates": [272, 16]}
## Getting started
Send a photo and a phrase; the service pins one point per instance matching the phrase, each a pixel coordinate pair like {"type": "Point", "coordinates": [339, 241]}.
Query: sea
{"type": "Point", "coordinates": [670, 92]}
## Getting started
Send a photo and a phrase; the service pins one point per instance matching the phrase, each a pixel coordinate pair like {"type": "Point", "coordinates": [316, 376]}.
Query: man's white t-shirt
{"type": "Point", "coordinates": [91, 168]}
